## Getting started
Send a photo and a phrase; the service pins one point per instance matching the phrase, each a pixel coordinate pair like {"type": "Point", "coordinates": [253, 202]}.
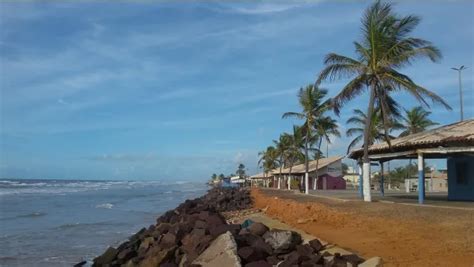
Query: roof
{"type": "Point", "coordinates": [323, 162]}
{"type": "Point", "coordinates": [258, 176]}
{"type": "Point", "coordinates": [460, 134]}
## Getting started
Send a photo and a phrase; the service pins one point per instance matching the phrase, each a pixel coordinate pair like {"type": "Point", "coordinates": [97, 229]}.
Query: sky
{"type": "Point", "coordinates": [178, 91]}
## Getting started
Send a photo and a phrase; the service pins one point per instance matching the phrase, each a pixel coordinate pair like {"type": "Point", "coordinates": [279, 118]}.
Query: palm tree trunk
{"type": "Point", "coordinates": [365, 159]}
{"type": "Point", "coordinates": [289, 176]}
{"type": "Point", "coordinates": [279, 176]}
{"type": "Point", "coordinates": [315, 186]}
{"type": "Point", "coordinates": [306, 175]}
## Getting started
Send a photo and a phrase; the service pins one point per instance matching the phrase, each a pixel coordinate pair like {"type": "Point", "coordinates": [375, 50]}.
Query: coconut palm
{"type": "Point", "coordinates": [313, 108]}
{"type": "Point", "coordinates": [281, 145]}
{"type": "Point", "coordinates": [416, 120]}
{"type": "Point", "coordinates": [386, 47]}
{"type": "Point", "coordinates": [268, 159]}
{"type": "Point", "coordinates": [325, 127]}
{"type": "Point", "coordinates": [294, 152]}
{"type": "Point", "coordinates": [377, 133]}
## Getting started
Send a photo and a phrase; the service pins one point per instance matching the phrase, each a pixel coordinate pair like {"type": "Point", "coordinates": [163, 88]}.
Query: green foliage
{"type": "Point", "coordinates": [416, 120]}
{"type": "Point", "coordinates": [241, 171]}
{"type": "Point", "coordinates": [386, 47]}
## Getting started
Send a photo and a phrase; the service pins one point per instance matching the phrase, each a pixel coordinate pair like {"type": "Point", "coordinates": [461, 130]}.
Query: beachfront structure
{"type": "Point", "coordinates": [434, 182]}
{"type": "Point", "coordinates": [261, 179]}
{"type": "Point", "coordinates": [453, 142]}
{"type": "Point", "coordinates": [329, 175]}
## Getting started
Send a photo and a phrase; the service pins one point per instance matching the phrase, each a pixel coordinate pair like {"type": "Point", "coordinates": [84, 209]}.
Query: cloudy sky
{"type": "Point", "coordinates": [151, 90]}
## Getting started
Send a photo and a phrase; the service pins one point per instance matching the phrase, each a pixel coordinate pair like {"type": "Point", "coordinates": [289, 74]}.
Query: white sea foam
{"type": "Point", "coordinates": [105, 206]}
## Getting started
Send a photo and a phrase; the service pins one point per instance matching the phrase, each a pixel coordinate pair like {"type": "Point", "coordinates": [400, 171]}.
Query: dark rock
{"type": "Point", "coordinates": [106, 258]}
{"type": "Point", "coordinates": [80, 264]}
{"type": "Point", "coordinates": [126, 254]}
{"type": "Point", "coordinates": [316, 245]}
{"type": "Point", "coordinates": [260, 263]}
{"type": "Point", "coordinates": [200, 224]}
{"type": "Point", "coordinates": [353, 259]}
{"type": "Point", "coordinates": [304, 249]}
{"type": "Point", "coordinates": [273, 260]}
{"type": "Point", "coordinates": [168, 240]}
{"type": "Point", "coordinates": [258, 228]}
{"type": "Point", "coordinates": [262, 247]}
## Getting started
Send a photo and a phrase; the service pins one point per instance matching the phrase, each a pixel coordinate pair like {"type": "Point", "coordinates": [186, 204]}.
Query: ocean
{"type": "Point", "coordinates": [62, 222]}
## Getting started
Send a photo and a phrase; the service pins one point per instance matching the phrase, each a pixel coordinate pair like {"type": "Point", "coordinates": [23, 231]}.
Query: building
{"type": "Point", "coordinates": [453, 142]}
{"type": "Point", "coordinates": [329, 172]}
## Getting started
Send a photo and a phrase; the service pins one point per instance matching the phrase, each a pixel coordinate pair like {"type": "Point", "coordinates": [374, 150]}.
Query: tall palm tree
{"type": "Point", "coordinates": [416, 120]}
{"type": "Point", "coordinates": [313, 108]}
{"type": "Point", "coordinates": [325, 127]}
{"type": "Point", "coordinates": [386, 47]}
{"type": "Point", "coordinates": [294, 152]}
{"type": "Point", "coordinates": [281, 145]}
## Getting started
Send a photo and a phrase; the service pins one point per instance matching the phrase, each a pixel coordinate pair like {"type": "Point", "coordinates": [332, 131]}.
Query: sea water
{"type": "Point", "coordinates": [62, 222]}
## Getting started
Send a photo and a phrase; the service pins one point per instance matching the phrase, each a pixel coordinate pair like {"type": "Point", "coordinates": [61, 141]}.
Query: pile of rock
{"type": "Point", "coordinates": [196, 234]}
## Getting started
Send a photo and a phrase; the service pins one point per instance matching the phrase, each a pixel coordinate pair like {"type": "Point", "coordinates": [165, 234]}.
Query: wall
{"type": "Point", "coordinates": [461, 178]}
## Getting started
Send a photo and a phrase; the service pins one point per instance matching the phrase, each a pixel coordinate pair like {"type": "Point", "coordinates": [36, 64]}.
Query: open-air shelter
{"type": "Point", "coordinates": [453, 142]}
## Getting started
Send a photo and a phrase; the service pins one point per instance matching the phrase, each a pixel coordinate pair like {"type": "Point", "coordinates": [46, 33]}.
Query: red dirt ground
{"type": "Point", "coordinates": [402, 235]}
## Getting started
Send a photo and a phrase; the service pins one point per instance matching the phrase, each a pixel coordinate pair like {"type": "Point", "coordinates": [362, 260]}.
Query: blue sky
{"type": "Point", "coordinates": [154, 90]}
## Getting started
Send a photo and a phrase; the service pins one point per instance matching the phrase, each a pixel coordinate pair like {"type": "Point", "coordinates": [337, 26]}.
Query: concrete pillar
{"type": "Point", "coordinates": [361, 185]}
{"type": "Point", "coordinates": [407, 186]}
{"type": "Point", "coordinates": [306, 183]}
{"type": "Point", "coordinates": [315, 181]}
{"type": "Point", "coordinates": [421, 179]}
{"type": "Point", "coordinates": [279, 182]}
{"type": "Point", "coordinates": [289, 182]}
{"type": "Point", "coordinates": [366, 175]}
{"type": "Point", "coordinates": [382, 192]}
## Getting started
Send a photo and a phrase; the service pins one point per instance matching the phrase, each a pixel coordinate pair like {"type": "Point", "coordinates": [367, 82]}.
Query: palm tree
{"type": "Point", "coordinates": [281, 146]}
{"type": "Point", "coordinates": [293, 151]}
{"type": "Point", "coordinates": [325, 127]}
{"type": "Point", "coordinates": [268, 159]}
{"type": "Point", "coordinates": [386, 47]}
{"type": "Point", "coordinates": [377, 133]}
{"type": "Point", "coordinates": [311, 101]}
{"type": "Point", "coordinates": [416, 120]}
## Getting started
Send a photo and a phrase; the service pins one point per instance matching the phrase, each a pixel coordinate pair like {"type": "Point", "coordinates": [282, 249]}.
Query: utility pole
{"type": "Point", "coordinates": [459, 70]}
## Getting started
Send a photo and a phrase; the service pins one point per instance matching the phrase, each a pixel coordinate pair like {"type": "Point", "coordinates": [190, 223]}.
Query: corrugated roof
{"type": "Point", "coordinates": [451, 135]}
{"type": "Point", "coordinates": [323, 162]}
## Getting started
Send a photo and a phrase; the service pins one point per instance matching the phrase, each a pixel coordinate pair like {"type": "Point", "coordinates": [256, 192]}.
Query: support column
{"type": "Point", "coordinates": [289, 182]}
{"type": "Point", "coordinates": [421, 179]}
{"type": "Point", "coordinates": [407, 186]}
{"type": "Point", "coordinates": [382, 192]}
{"type": "Point", "coordinates": [306, 183]}
{"type": "Point", "coordinates": [279, 182]}
{"type": "Point", "coordinates": [366, 174]}
{"type": "Point", "coordinates": [361, 185]}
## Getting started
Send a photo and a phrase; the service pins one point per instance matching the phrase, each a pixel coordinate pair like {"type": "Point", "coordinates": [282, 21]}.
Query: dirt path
{"type": "Point", "coordinates": [402, 235]}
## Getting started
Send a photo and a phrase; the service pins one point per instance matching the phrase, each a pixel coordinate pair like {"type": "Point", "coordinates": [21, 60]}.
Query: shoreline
{"type": "Point", "coordinates": [198, 228]}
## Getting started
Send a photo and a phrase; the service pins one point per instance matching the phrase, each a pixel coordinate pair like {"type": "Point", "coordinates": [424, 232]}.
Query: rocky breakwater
{"type": "Point", "coordinates": [196, 234]}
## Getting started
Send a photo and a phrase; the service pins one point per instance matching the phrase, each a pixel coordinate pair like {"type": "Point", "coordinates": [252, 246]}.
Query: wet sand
{"type": "Point", "coordinates": [402, 235]}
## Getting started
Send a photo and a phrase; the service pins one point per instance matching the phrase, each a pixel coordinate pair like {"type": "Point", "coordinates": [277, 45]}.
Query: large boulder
{"type": "Point", "coordinates": [221, 252]}
{"type": "Point", "coordinates": [282, 240]}
{"type": "Point", "coordinates": [109, 255]}
{"type": "Point", "coordinates": [258, 228]}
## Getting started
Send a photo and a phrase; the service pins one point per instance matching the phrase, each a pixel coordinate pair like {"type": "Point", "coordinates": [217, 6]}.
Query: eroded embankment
{"type": "Point", "coordinates": [415, 240]}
